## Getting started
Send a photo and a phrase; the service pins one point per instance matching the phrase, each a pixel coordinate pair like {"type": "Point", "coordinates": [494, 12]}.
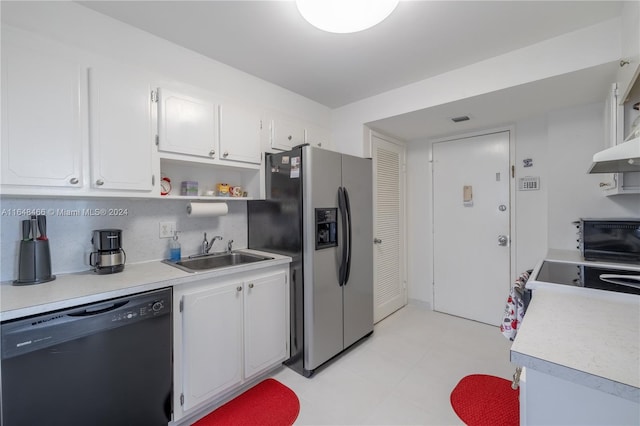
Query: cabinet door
{"type": "Point", "coordinates": [630, 47]}
{"type": "Point", "coordinates": [286, 133]}
{"type": "Point", "coordinates": [266, 316]}
{"type": "Point", "coordinates": [318, 137]}
{"type": "Point", "coordinates": [121, 131]}
{"type": "Point", "coordinates": [42, 138]}
{"type": "Point", "coordinates": [186, 125]}
{"type": "Point", "coordinates": [212, 342]}
{"type": "Point", "coordinates": [240, 130]}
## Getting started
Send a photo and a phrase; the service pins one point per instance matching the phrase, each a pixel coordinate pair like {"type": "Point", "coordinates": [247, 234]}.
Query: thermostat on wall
{"type": "Point", "coordinates": [529, 183]}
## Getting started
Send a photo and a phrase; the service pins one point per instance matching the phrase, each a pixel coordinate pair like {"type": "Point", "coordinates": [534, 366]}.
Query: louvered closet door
{"type": "Point", "coordinates": [388, 249]}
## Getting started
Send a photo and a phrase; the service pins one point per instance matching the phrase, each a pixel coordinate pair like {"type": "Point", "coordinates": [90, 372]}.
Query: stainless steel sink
{"type": "Point", "coordinates": [216, 261]}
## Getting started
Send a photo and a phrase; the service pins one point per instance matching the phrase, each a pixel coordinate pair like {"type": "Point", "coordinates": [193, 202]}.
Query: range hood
{"type": "Point", "coordinates": [620, 158]}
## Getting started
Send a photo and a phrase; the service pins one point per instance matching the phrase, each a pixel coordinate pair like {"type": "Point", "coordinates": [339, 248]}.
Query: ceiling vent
{"type": "Point", "coordinates": [461, 118]}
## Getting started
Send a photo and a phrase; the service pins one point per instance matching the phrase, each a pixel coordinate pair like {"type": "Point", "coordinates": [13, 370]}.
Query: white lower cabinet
{"type": "Point", "coordinates": [228, 330]}
{"type": "Point", "coordinates": [550, 400]}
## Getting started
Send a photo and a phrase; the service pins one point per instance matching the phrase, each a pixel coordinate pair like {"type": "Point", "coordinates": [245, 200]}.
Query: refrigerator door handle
{"type": "Point", "coordinates": [348, 208]}
{"type": "Point", "coordinates": [343, 215]}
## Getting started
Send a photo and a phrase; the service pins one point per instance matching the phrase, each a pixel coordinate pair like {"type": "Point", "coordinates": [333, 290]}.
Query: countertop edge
{"type": "Point", "coordinates": [589, 380]}
{"type": "Point", "coordinates": [118, 289]}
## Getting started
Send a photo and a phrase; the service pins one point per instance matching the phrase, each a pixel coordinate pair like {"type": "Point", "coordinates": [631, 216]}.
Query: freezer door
{"type": "Point", "coordinates": [275, 224]}
{"type": "Point", "coordinates": [358, 290]}
{"type": "Point", "coordinates": [322, 293]}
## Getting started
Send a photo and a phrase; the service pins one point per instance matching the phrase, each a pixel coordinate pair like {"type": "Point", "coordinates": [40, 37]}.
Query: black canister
{"type": "Point", "coordinates": [34, 265]}
{"type": "Point", "coordinates": [108, 257]}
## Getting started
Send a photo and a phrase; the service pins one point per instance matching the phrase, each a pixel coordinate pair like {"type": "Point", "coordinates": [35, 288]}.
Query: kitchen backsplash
{"type": "Point", "coordinates": [70, 222]}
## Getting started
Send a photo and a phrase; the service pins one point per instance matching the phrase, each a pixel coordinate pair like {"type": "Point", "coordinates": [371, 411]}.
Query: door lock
{"type": "Point", "coordinates": [502, 240]}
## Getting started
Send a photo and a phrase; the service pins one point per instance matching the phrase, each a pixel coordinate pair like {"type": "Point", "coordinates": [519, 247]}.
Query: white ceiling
{"type": "Point", "coordinates": [269, 39]}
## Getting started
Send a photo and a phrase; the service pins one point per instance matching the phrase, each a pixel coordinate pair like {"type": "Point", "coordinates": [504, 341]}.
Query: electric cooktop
{"type": "Point", "coordinates": [621, 280]}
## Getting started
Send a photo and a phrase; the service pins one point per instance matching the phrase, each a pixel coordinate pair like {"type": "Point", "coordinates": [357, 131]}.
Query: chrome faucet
{"type": "Point", "coordinates": [206, 245]}
{"type": "Point", "coordinates": [229, 246]}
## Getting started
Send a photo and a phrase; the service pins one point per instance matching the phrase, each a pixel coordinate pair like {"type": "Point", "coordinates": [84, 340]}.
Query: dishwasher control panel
{"type": "Point", "coordinates": [29, 334]}
{"type": "Point", "coordinates": [151, 308]}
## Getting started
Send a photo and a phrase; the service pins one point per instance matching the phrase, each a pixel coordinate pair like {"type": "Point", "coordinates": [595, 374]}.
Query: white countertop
{"type": "Point", "coordinates": [589, 337]}
{"type": "Point", "coordinates": [87, 287]}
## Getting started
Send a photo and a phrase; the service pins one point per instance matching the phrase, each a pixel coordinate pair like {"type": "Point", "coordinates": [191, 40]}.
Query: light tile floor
{"type": "Point", "coordinates": [403, 374]}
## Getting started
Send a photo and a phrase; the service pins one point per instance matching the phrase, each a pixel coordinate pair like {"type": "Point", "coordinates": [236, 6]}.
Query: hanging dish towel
{"type": "Point", "coordinates": [514, 309]}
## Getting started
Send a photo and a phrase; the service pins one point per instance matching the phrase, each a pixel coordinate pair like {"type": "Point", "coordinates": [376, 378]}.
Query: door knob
{"type": "Point", "coordinates": [377, 241]}
{"type": "Point", "coordinates": [502, 240]}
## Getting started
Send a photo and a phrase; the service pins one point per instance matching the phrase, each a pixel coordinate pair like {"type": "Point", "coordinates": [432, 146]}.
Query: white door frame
{"type": "Point", "coordinates": [512, 195]}
{"type": "Point", "coordinates": [403, 206]}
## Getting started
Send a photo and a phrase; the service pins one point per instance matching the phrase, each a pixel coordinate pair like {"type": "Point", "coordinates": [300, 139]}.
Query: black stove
{"type": "Point", "coordinates": [620, 280]}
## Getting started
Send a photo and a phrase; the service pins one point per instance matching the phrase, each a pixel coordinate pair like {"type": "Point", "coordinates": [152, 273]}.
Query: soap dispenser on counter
{"type": "Point", "coordinates": [174, 248]}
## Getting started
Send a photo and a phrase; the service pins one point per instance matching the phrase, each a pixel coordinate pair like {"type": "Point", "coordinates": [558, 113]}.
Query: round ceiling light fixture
{"type": "Point", "coordinates": [345, 16]}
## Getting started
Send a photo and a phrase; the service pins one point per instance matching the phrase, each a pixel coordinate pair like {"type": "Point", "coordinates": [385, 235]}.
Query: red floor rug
{"type": "Point", "coordinates": [269, 403]}
{"type": "Point", "coordinates": [481, 400]}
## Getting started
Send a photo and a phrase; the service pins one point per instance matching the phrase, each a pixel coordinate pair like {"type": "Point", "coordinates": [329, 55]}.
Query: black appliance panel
{"type": "Point", "coordinates": [326, 228]}
{"type": "Point", "coordinates": [615, 240]}
{"type": "Point", "coordinates": [102, 364]}
{"type": "Point", "coordinates": [588, 276]}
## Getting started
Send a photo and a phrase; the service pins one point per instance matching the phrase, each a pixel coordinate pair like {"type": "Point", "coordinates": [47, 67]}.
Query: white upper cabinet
{"type": "Point", "coordinates": [240, 134]}
{"type": "Point", "coordinates": [121, 133]}
{"type": "Point", "coordinates": [630, 46]}
{"type": "Point", "coordinates": [318, 137]}
{"type": "Point", "coordinates": [186, 125]}
{"type": "Point", "coordinates": [42, 122]}
{"type": "Point", "coordinates": [286, 133]}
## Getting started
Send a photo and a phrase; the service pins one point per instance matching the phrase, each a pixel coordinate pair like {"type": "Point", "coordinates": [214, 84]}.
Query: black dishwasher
{"type": "Point", "coordinates": [107, 363]}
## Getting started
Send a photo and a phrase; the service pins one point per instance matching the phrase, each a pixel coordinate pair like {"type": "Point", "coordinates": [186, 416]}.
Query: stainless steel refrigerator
{"type": "Point", "coordinates": [319, 211]}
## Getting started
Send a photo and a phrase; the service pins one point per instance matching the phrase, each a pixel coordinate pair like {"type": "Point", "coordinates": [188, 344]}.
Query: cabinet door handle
{"type": "Point", "coordinates": [290, 137]}
{"type": "Point", "coordinates": [99, 182]}
{"type": "Point", "coordinates": [250, 285]}
{"type": "Point", "coordinates": [212, 153]}
{"type": "Point", "coordinates": [239, 288]}
{"type": "Point", "coordinates": [73, 181]}
{"type": "Point", "coordinates": [225, 155]}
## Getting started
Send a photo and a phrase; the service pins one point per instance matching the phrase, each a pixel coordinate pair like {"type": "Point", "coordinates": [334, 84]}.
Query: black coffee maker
{"type": "Point", "coordinates": [108, 257]}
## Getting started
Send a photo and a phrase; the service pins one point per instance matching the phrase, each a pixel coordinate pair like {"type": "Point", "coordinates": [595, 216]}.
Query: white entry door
{"type": "Point", "coordinates": [471, 205]}
{"type": "Point", "coordinates": [389, 289]}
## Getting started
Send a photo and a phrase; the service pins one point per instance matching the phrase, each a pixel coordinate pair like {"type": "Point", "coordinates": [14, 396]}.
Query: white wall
{"type": "Point", "coordinates": [98, 34]}
{"type": "Point", "coordinates": [531, 206]}
{"type": "Point", "coordinates": [574, 135]}
{"type": "Point", "coordinates": [542, 217]}
{"type": "Point", "coordinates": [70, 236]}
{"type": "Point", "coordinates": [556, 56]}
{"type": "Point", "coordinates": [561, 145]}
{"type": "Point", "coordinates": [419, 222]}
{"type": "Point", "coordinates": [91, 34]}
